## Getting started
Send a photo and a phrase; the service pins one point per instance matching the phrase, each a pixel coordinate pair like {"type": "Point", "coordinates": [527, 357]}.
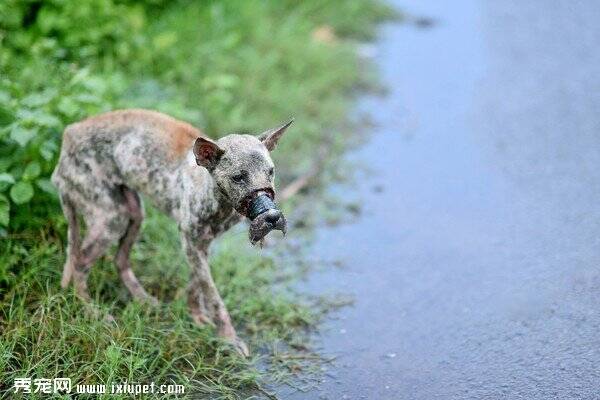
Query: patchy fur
{"type": "Point", "coordinates": [108, 160]}
{"type": "Point", "coordinates": [176, 135]}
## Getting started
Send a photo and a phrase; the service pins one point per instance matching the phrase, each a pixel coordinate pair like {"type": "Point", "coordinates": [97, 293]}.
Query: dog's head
{"type": "Point", "coordinates": [244, 173]}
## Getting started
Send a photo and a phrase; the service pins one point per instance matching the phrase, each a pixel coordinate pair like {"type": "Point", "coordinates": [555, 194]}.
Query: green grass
{"type": "Point", "coordinates": [47, 332]}
{"type": "Point", "coordinates": [224, 66]}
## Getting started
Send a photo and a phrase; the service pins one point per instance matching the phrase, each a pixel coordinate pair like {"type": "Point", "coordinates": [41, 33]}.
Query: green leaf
{"type": "Point", "coordinates": [224, 81]}
{"type": "Point", "coordinates": [48, 149]}
{"type": "Point", "coordinates": [95, 84]}
{"type": "Point", "coordinates": [5, 163]}
{"type": "Point", "coordinates": [38, 117]}
{"type": "Point", "coordinates": [6, 180]}
{"type": "Point", "coordinates": [39, 99]}
{"type": "Point", "coordinates": [6, 117]}
{"type": "Point", "coordinates": [21, 192]}
{"type": "Point", "coordinates": [4, 97]}
{"type": "Point", "coordinates": [4, 210]}
{"type": "Point", "coordinates": [68, 107]}
{"type": "Point", "coordinates": [5, 131]}
{"type": "Point", "coordinates": [164, 40]}
{"type": "Point", "coordinates": [47, 186]}
{"type": "Point", "coordinates": [87, 98]}
{"type": "Point", "coordinates": [32, 171]}
{"type": "Point", "coordinates": [22, 135]}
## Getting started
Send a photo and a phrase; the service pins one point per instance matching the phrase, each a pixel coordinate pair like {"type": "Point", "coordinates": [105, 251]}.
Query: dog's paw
{"type": "Point", "coordinates": [147, 300]}
{"type": "Point", "coordinates": [109, 319]}
{"type": "Point", "coordinates": [239, 346]}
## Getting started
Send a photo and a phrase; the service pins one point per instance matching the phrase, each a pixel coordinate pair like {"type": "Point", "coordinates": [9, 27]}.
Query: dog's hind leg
{"type": "Point", "coordinates": [106, 221]}
{"type": "Point", "coordinates": [136, 215]}
{"type": "Point", "coordinates": [96, 242]}
{"type": "Point", "coordinates": [73, 240]}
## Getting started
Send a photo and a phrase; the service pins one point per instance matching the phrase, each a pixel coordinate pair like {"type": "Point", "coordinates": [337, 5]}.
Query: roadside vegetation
{"type": "Point", "coordinates": [224, 66]}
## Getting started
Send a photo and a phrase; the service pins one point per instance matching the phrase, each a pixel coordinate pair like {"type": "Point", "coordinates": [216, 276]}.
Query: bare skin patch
{"type": "Point", "coordinates": [177, 136]}
{"type": "Point", "coordinates": [107, 161]}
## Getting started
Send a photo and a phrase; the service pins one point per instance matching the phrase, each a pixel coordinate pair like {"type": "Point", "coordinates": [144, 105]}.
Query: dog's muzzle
{"type": "Point", "coordinates": [264, 216]}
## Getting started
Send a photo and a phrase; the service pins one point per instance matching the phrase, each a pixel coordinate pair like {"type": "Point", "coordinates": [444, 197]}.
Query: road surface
{"type": "Point", "coordinates": [475, 264]}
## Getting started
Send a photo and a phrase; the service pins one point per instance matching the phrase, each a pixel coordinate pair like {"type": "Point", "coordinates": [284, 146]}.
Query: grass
{"type": "Point", "coordinates": [225, 66]}
{"type": "Point", "coordinates": [47, 333]}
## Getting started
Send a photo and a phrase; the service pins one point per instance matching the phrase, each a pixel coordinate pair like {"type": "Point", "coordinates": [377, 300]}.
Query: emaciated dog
{"type": "Point", "coordinates": [207, 186]}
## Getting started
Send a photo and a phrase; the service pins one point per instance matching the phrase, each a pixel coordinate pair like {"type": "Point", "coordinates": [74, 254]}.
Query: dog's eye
{"type": "Point", "coordinates": [271, 171]}
{"type": "Point", "coordinates": [239, 178]}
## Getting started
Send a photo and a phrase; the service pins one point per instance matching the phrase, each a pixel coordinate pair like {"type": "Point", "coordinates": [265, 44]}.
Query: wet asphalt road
{"type": "Point", "coordinates": [475, 265]}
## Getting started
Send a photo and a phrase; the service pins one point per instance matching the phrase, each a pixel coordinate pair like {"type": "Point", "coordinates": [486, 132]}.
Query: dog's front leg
{"type": "Point", "coordinates": [204, 301]}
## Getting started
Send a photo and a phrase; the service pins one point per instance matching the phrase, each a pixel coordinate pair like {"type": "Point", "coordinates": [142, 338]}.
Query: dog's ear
{"type": "Point", "coordinates": [271, 137]}
{"type": "Point", "coordinates": [207, 153]}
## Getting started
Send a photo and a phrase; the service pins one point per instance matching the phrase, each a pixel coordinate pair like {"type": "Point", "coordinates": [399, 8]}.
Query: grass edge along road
{"type": "Point", "coordinates": [223, 66]}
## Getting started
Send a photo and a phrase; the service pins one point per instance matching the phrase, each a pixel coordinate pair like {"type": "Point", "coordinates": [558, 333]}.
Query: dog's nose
{"type": "Point", "coordinates": [272, 216]}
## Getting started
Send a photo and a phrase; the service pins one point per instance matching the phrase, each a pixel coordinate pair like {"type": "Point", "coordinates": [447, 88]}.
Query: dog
{"type": "Point", "coordinates": [206, 185]}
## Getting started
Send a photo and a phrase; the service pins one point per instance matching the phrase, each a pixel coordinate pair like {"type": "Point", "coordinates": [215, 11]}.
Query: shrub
{"type": "Point", "coordinates": [223, 66]}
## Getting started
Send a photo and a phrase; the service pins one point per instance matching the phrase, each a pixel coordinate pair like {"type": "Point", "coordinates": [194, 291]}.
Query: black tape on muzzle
{"type": "Point", "coordinates": [259, 205]}
{"type": "Point", "coordinates": [265, 217]}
